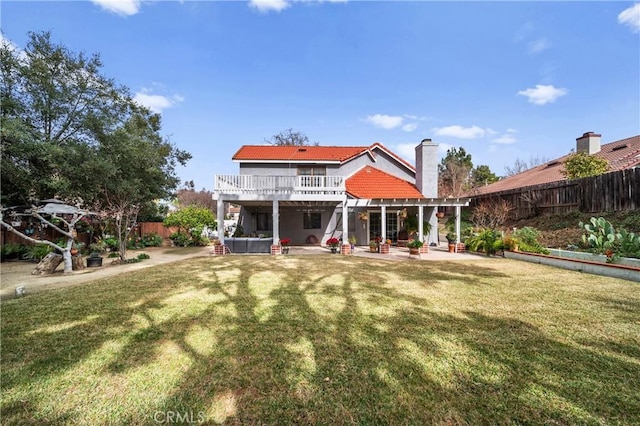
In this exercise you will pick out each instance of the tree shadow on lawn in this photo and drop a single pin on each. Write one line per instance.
(316, 343)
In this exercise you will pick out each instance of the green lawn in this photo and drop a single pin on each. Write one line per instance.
(326, 340)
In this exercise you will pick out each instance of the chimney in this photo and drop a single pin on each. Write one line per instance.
(589, 143)
(427, 168)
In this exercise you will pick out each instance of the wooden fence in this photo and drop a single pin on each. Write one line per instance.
(50, 234)
(615, 191)
(145, 228)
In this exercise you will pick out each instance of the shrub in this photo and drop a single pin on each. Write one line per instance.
(528, 238)
(143, 256)
(134, 243)
(485, 240)
(13, 251)
(111, 243)
(629, 244)
(180, 239)
(37, 252)
(152, 240)
(491, 214)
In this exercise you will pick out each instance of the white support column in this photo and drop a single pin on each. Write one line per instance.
(220, 219)
(421, 223)
(383, 218)
(276, 222)
(433, 220)
(345, 222)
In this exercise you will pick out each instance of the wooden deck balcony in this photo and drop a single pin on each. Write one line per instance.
(258, 184)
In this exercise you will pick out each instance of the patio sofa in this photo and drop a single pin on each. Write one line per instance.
(249, 245)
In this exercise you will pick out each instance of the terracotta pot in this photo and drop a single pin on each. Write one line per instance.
(452, 247)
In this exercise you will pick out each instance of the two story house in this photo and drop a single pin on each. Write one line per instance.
(310, 194)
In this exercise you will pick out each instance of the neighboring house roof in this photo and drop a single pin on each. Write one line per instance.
(622, 154)
(310, 154)
(370, 183)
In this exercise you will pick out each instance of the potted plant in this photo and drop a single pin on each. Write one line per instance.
(75, 248)
(451, 239)
(414, 246)
(363, 216)
(352, 241)
(373, 246)
(284, 243)
(333, 243)
(95, 259)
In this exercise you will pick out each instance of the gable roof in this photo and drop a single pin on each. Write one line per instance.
(310, 154)
(370, 183)
(280, 153)
(622, 154)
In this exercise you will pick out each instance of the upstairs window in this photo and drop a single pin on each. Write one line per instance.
(312, 171)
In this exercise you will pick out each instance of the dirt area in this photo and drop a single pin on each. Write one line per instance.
(14, 274)
(559, 230)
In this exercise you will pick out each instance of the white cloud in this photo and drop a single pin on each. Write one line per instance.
(384, 121)
(410, 127)
(505, 139)
(120, 7)
(22, 55)
(631, 17)
(156, 103)
(406, 151)
(269, 5)
(539, 45)
(460, 132)
(543, 94)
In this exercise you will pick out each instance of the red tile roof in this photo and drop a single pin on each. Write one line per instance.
(370, 183)
(288, 153)
(622, 154)
(298, 153)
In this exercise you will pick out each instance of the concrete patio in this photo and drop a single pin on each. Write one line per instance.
(440, 252)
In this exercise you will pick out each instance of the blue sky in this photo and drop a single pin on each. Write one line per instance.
(504, 80)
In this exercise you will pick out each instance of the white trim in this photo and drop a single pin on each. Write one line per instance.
(408, 202)
(289, 162)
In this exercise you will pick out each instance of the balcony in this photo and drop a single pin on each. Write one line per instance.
(279, 185)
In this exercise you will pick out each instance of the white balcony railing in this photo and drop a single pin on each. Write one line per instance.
(257, 184)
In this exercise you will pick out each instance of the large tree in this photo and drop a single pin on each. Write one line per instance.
(454, 172)
(69, 132)
(137, 166)
(482, 175)
(188, 196)
(581, 164)
(290, 137)
(50, 100)
(520, 166)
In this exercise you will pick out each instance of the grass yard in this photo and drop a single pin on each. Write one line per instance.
(326, 340)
